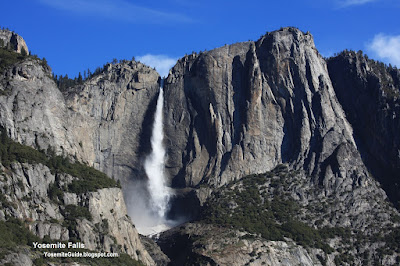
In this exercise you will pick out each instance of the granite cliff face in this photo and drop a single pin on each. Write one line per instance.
(111, 116)
(257, 131)
(247, 108)
(281, 217)
(101, 122)
(13, 41)
(99, 219)
(370, 95)
(199, 244)
(33, 110)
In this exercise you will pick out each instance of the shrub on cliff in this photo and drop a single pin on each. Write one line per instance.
(8, 58)
(87, 178)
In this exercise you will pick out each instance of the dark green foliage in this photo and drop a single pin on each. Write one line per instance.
(13, 232)
(5, 203)
(103, 227)
(55, 193)
(72, 212)
(64, 82)
(11, 151)
(8, 58)
(271, 219)
(343, 258)
(331, 232)
(305, 235)
(88, 178)
(393, 240)
(24, 52)
(43, 62)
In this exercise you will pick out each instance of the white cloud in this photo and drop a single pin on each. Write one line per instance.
(117, 10)
(386, 47)
(346, 3)
(162, 63)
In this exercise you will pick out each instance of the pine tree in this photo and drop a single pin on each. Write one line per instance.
(80, 80)
(23, 52)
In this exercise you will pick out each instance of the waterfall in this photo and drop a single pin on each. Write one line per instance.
(154, 164)
(149, 200)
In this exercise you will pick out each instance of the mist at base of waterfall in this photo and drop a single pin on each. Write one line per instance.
(147, 220)
(148, 199)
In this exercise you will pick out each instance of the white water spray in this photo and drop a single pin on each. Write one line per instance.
(149, 200)
(154, 164)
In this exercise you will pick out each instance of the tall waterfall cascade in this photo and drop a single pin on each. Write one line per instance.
(155, 163)
(149, 198)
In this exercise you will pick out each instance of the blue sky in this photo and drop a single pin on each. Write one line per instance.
(74, 35)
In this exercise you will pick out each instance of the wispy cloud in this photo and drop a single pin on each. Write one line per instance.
(162, 63)
(346, 3)
(116, 10)
(386, 47)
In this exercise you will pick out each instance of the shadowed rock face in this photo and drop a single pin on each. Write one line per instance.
(370, 95)
(247, 107)
(112, 118)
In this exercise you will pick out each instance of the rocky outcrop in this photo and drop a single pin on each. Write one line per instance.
(13, 41)
(154, 251)
(105, 122)
(237, 110)
(111, 118)
(202, 244)
(99, 220)
(280, 218)
(21, 258)
(247, 107)
(102, 123)
(33, 110)
(370, 95)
